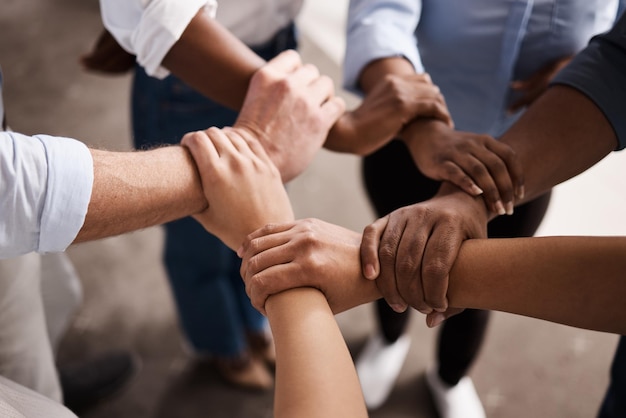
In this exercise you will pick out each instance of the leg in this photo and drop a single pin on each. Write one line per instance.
(614, 404)
(461, 336)
(203, 273)
(199, 266)
(62, 294)
(25, 352)
(384, 174)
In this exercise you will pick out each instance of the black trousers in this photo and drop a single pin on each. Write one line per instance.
(392, 181)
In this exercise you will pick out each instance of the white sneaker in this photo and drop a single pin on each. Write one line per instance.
(378, 367)
(459, 401)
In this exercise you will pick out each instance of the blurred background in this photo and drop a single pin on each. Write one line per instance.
(527, 367)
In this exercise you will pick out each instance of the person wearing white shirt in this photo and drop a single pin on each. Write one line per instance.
(56, 191)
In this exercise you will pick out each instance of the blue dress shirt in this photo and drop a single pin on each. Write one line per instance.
(473, 49)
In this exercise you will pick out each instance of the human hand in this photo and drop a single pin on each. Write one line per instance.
(289, 108)
(535, 85)
(240, 182)
(107, 56)
(385, 110)
(305, 253)
(411, 251)
(476, 163)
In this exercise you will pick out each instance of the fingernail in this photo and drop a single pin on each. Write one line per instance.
(500, 208)
(436, 319)
(398, 307)
(520, 192)
(425, 311)
(240, 252)
(476, 190)
(370, 272)
(509, 208)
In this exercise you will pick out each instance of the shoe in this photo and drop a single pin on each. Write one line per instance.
(458, 401)
(248, 372)
(378, 367)
(262, 346)
(87, 383)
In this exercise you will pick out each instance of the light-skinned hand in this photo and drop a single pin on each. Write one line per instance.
(290, 108)
(305, 253)
(241, 184)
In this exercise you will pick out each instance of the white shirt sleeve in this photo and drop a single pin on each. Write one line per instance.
(149, 28)
(45, 188)
(380, 29)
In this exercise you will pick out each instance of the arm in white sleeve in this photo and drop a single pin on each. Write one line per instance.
(380, 29)
(149, 28)
(45, 188)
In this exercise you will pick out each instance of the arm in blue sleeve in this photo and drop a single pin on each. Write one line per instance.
(599, 72)
(380, 29)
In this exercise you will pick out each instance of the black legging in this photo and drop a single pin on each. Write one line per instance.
(392, 181)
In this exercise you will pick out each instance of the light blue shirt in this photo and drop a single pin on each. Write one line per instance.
(473, 49)
(45, 188)
(599, 72)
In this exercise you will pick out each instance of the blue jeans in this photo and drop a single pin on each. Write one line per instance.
(214, 310)
(614, 404)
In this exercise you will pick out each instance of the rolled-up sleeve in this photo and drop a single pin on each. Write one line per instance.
(45, 188)
(599, 72)
(380, 29)
(149, 28)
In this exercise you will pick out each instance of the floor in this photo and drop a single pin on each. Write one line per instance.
(526, 368)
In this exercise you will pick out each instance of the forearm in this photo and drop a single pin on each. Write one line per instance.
(140, 189)
(315, 376)
(561, 135)
(213, 61)
(577, 281)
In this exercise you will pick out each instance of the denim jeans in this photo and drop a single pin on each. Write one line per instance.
(614, 404)
(214, 310)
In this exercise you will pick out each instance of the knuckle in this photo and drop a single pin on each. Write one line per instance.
(435, 270)
(406, 268)
(386, 253)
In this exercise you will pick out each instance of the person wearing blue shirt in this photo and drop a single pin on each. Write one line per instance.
(490, 59)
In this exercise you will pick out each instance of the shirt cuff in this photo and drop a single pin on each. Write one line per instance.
(370, 42)
(162, 24)
(70, 182)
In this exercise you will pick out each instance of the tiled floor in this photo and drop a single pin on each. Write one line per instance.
(527, 368)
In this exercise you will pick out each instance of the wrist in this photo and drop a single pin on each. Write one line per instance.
(341, 137)
(474, 203)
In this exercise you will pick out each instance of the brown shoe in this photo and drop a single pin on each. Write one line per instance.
(246, 372)
(262, 346)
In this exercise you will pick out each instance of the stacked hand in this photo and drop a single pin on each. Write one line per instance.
(241, 184)
(478, 164)
(290, 108)
(393, 102)
(305, 253)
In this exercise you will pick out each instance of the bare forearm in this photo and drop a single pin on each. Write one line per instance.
(315, 373)
(140, 189)
(578, 281)
(213, 61)
(561, 135)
